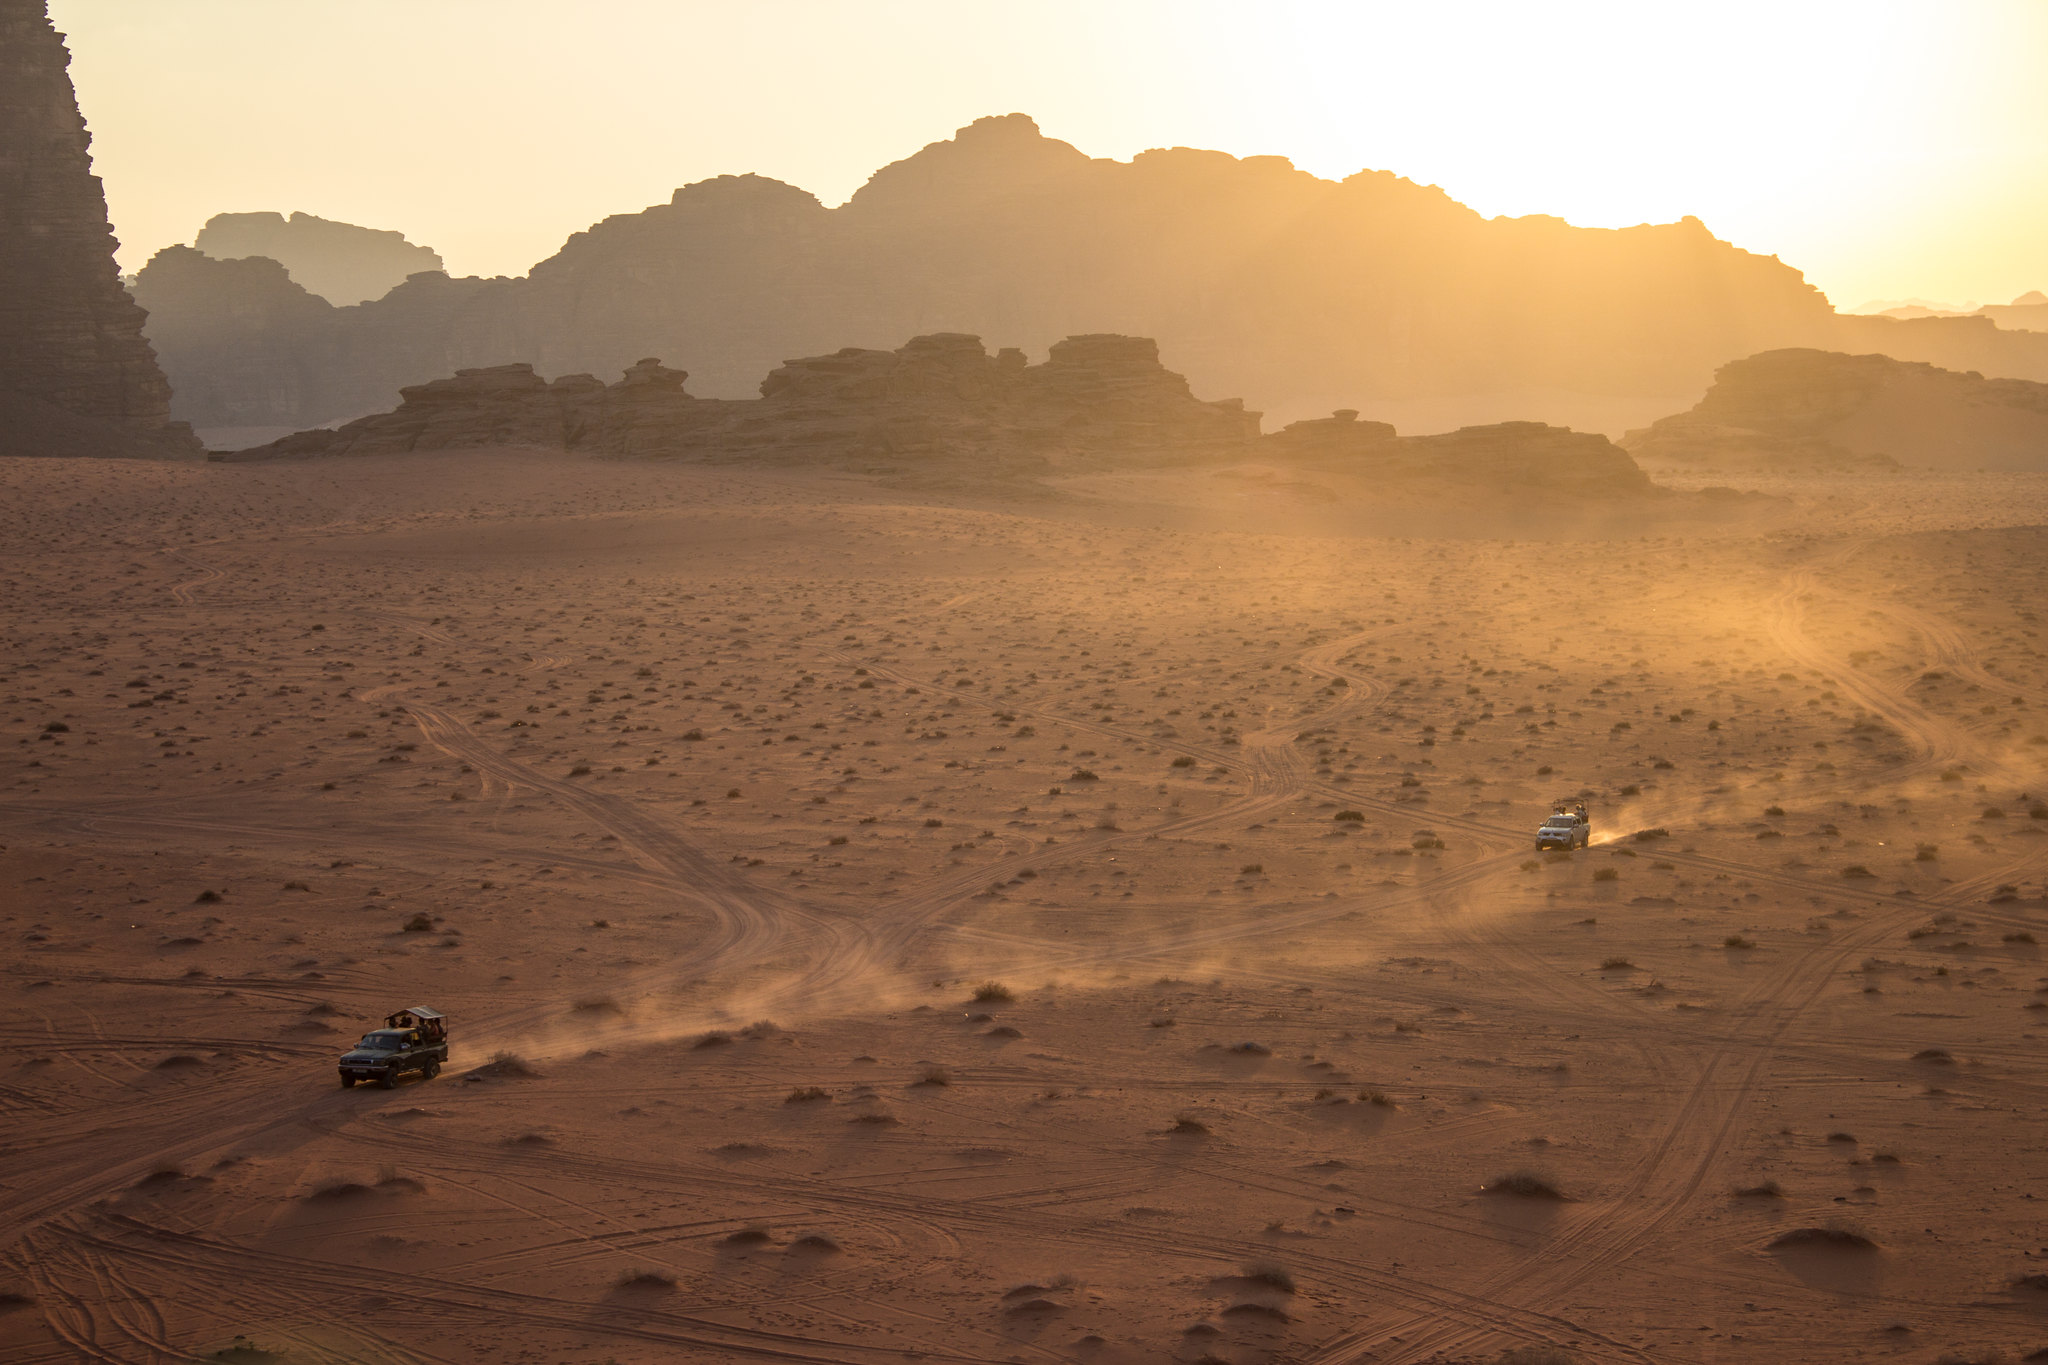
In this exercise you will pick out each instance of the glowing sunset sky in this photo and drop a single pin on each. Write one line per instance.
(1887, 149)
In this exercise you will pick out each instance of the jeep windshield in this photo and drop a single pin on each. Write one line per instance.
(1559, 822)
(379, 1042)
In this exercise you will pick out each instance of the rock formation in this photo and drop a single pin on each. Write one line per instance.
(1506, 456)
(80, 376)
(1805, 410)
(340, 262)
(936, 396)
(2027, 313)
(1259, 278)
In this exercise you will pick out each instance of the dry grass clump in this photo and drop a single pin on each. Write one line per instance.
(1616, 964)
(1187, 1125)
(712, 1039)
(993, 992)
(934, 1076)
(1769, 1189)
(806, 1094)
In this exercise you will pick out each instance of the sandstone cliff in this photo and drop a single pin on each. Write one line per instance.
(1807, 410)
(1257, 277)
(340, 262)
(82, 378)
(1095, 397)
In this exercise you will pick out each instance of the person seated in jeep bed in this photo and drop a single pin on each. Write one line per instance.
(413, 1039)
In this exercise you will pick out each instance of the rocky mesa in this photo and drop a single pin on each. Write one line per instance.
(1805, 411)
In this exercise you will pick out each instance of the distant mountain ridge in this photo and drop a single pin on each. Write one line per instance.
(1302, 294)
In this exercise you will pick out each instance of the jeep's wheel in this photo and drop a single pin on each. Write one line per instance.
(389, 1080)
(433, 1070)
(348, 1082)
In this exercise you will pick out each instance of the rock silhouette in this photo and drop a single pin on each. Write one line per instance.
(340, 262)
(1261, 279)
(1809, 410)
(76, 375)
(942, 394)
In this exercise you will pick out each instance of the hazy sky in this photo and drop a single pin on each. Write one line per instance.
(1886, 148)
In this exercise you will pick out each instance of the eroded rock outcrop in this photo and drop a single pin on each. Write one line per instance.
(340, 262)
(71, 345)
(937, 395)
(1817, 411)
(1502, 457)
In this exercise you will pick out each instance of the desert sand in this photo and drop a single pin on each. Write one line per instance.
(1087, 920)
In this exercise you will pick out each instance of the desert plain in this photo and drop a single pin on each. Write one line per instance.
(1093, 918)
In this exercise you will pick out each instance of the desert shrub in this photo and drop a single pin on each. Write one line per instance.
(1606, 874)
(993, 992)
(419, 924)
(1524, 1185)
(1644, 836)
(1251, 869)
(1836, 1237)
(1737, 941)
(1184, 761)
(806, 1094)
(1356, 817)
(580, 770)
(1616, 964)
(646, 1279)
(1269, 1275)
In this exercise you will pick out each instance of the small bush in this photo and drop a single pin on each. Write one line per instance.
(1189, 1126)
(580, 770)
(1251, 870)
(1184, 761)
(1606, 874)
(1524, 1185)
(1269, 1275)
(646, 1279)
(1356, 817)
(1644, 836)
(207, 898)
(1829, 1238)
(993, 992)
(1737, 941)
(1616, 964)
(808, 1094)
(1769, 1189)
(419, 924)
